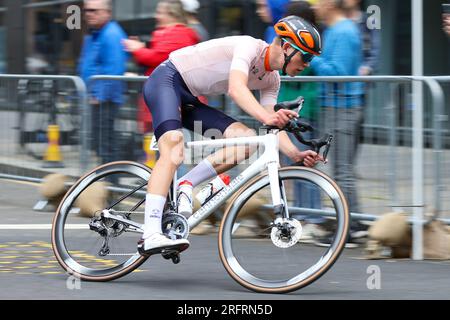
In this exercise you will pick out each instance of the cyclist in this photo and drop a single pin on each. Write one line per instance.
(232, 65)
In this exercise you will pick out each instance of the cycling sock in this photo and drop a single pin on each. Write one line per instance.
(202, 172)
(154, 206)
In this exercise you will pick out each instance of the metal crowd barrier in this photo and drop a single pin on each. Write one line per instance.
(442, 158)
(418, 203)
(37, 111)
(402, 156)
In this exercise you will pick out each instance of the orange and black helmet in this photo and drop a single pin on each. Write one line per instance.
(300, 34)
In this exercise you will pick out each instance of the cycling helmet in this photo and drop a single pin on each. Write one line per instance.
(301, 35)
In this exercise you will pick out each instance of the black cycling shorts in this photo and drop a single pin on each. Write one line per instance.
(173, 106)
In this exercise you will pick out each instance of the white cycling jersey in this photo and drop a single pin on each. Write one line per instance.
(206, 67)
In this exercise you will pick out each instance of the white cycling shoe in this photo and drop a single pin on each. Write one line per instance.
(158, 243)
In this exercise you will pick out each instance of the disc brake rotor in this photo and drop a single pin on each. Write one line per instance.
(286, 233)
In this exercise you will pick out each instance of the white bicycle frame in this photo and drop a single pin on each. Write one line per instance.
(269, 160)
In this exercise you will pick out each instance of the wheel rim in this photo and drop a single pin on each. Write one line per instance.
(234, 263)
(68, 258)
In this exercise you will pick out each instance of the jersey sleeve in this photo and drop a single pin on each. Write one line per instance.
(244, 53)
(269, 95)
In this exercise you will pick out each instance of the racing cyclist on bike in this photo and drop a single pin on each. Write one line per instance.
(234, 66)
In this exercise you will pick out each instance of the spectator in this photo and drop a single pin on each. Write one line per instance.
(446, 23)
(341, 105)
(270, 11)
(191, 8)
(306, 195)
(370, 44)
(171, 34)
(370, 37)
(292, 90)
(103, 54)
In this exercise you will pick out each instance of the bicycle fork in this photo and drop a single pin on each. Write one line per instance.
(277, 189)
(278, 192)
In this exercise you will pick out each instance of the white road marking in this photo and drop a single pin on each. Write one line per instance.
(41, 227)
(28, 183)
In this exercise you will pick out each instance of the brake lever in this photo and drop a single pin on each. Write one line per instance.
(317, 145)
(327, 148)
(296, 105)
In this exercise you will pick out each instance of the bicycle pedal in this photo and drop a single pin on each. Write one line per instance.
(168, 254)
(173, 255)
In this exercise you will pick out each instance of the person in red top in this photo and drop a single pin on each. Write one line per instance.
(172, 33)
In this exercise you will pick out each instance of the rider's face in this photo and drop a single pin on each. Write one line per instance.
(297, 65)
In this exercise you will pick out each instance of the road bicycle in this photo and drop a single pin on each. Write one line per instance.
(272, 259)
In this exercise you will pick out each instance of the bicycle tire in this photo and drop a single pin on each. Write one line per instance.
(245, 278)
(60, 250)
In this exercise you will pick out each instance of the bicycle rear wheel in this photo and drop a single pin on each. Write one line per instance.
(259, 256)
(96, 248)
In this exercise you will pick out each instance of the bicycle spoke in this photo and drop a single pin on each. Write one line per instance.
(108, 246)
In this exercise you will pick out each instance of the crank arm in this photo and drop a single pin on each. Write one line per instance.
(138, 227)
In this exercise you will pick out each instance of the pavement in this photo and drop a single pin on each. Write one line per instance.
(28, 269)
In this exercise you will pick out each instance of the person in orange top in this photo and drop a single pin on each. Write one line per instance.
(171, 34)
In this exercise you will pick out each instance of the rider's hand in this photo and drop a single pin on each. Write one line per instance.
(281, 118)
(309, 158)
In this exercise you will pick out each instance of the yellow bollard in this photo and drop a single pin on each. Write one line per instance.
(150, 154)
(53, 157)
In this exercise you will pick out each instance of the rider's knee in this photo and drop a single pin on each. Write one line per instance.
(171, 147)
(239, 130)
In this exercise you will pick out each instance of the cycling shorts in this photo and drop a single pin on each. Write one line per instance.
(173, 106)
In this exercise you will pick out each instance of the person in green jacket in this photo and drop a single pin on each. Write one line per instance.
(306, 195)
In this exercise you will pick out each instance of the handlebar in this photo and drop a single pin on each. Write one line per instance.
(291, 105)
(298, 126)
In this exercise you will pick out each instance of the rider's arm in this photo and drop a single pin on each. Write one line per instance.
(244, 98)
(308, 157)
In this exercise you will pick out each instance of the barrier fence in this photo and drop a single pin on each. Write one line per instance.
(400, 167)
(39, 113)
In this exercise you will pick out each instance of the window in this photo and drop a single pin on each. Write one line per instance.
(124, 10)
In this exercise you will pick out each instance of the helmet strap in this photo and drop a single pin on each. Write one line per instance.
(287, 59)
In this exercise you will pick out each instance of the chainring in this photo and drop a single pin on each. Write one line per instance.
(175, 226)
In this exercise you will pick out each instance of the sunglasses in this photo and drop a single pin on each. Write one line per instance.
(306, 56)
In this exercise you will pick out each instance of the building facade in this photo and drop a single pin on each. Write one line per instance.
(34, 37)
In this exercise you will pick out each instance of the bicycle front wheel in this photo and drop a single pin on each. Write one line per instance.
(85, 242)
(264, 259)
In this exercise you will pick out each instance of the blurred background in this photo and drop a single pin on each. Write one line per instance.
(31, 29)
(45, 125)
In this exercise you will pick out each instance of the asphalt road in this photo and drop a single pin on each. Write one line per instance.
(28, 269)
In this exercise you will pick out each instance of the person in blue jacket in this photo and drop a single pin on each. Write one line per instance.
(270, 12)
(341, 104)
(103, 54)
